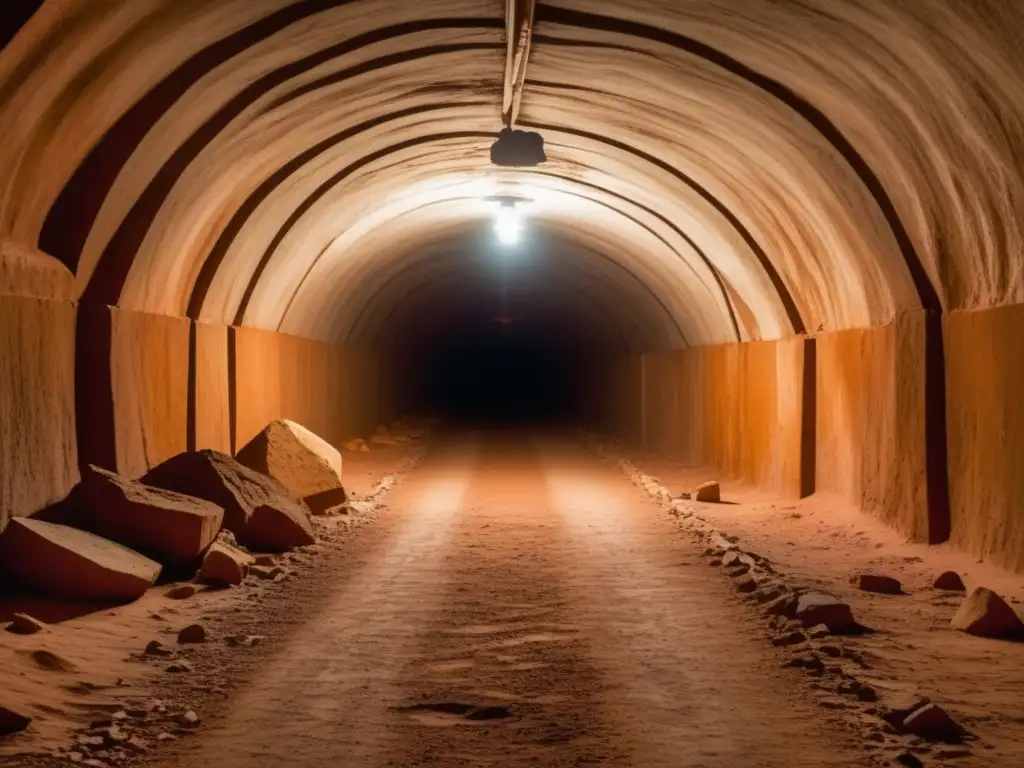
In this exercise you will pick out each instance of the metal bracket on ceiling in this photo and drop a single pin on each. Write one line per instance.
(514, 148)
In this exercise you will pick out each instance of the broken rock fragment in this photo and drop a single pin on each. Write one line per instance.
(322, 503)
(301, 461)
(814, 608)
(259, 511)
(873, 582)
(224, 565)
(23, 624)
(933, 723)
(173, 527)
(986, 614)
(708, 491)
(12, 721)
(61, 561)
(194, 633)
(949, 581)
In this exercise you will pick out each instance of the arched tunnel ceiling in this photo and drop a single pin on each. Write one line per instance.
(718, 169)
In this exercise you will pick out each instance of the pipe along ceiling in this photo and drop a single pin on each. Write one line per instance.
(717, 170)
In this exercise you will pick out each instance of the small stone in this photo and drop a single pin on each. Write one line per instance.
(179, 667)
(136, 744)
(114, 735)
(784, 605)
(181, 592)
(790, 638)
(873, 582)
(953, 753)
(23, 624)
(91, 742)
(709, 492)
(243, 641)
(224, 565)
(908, 759)
(986, 614)
(265, 561)
(12, 721)
(194, 633)
(805, 661)
(165, 736)
(933, 723)
(156, 648)
(262, 572)
(741, 569)
(858, 690)
(897, 707)
(818, 631)
(949, 581)
(813, 608)
(746, 585)
(187, 719)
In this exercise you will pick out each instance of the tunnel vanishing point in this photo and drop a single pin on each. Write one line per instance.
(782, 238)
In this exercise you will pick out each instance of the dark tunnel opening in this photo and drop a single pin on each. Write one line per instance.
(507, 335)
(513, 371)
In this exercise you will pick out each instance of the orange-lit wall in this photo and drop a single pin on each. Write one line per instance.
(985, 418)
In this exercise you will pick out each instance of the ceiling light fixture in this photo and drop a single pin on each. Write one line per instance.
(508, 224)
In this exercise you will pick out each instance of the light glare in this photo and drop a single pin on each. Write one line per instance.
(508, 225)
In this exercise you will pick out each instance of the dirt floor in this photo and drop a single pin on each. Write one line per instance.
(517, 601)
(822, 541)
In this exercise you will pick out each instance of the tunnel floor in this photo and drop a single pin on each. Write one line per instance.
(519, 604)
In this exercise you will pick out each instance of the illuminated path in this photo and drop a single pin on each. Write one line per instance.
(520, 604)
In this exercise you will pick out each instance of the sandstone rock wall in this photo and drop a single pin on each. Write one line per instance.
(38, 454)
(985, 407)
(329, 389)
(738, 407)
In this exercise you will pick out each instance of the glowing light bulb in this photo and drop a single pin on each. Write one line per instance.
(508, 225)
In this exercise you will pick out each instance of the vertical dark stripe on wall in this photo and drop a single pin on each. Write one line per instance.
(14, 15)
(94, 389)
(193, 372)
(936, 454)
(233, 387)
(809, 419)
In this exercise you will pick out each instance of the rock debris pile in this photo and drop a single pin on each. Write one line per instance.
(224, 521)
(814, 631)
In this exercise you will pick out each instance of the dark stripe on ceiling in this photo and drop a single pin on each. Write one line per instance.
(926, 291)
(73, 214)
(15, 15)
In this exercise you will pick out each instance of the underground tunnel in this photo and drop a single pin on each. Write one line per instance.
(379, 380)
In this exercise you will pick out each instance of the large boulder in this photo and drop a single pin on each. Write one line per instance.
(296, 458)
(986, 614)
(261, 513)
(171, 527)
(65, 562)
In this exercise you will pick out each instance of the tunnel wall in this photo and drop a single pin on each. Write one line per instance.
(737, 407)
(38, 454)
(734, 408)
(985, 417)
(118, 390)
(871, 435)
(336, 391)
